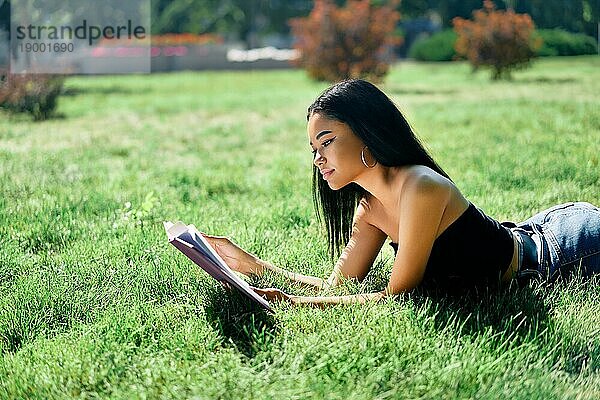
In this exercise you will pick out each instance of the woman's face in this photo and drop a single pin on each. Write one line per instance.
(336, 150)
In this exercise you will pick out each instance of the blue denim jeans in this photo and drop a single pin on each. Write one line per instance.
(567, 238)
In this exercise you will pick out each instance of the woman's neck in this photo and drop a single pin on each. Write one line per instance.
(385, 183)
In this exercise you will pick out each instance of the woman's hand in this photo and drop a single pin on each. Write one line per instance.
(273, 294)
(234, 256)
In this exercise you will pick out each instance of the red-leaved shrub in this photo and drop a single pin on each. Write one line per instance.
(502, 40)
(33, 94)
(354, 41)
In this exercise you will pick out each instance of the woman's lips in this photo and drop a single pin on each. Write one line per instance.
(327, 173)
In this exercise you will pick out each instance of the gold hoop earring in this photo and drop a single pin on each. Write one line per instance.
(362, 157)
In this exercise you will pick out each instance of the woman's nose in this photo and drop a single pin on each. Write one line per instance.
(318, 158)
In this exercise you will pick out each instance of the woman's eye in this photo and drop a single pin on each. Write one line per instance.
(325, 144)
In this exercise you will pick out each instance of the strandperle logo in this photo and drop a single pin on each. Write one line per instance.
(84, 31)
(80, 37)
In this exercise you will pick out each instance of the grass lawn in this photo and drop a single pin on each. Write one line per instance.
(95, 303)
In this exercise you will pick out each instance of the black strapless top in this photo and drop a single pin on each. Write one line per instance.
(475, 250)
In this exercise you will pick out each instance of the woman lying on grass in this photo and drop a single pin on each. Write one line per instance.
(373, 180)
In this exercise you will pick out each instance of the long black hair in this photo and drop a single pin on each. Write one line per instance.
(376, 120)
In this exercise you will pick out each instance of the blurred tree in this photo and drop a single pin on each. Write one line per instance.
(572, 15)
(4, 15)
(449, 9)
(193, 16)
(244, 19)
(353, 41)
(239, 19)
(502, 40)
(415, 8)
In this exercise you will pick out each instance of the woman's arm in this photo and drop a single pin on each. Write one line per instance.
(248, 264)
(356, 259)
(422, 208)
(362, 249)
(274, 294)
(293, 276)
(361, 298)
(354, 263)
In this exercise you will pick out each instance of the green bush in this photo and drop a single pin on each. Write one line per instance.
(437, 47)
(558, 42)
(33, 94)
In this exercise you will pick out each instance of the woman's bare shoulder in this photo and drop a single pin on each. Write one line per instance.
(420, 185)
(424, 174)
(421, 180)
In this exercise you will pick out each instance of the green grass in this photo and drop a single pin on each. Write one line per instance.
(95, 303)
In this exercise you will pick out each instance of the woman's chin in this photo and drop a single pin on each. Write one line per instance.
(334, 186)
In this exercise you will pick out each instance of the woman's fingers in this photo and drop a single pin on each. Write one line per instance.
(219, 238)
(264, 293)
(272, 293)
(216, 239)
(257, 290)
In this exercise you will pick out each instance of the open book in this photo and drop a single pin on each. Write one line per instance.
(191, 243)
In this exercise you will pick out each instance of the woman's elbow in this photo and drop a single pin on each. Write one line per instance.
(394, 288)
